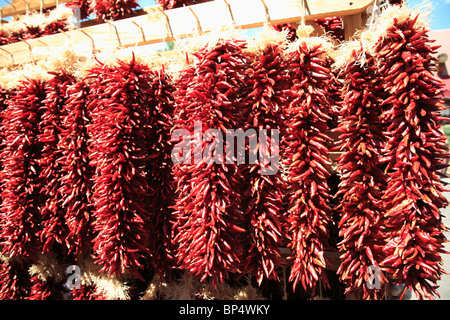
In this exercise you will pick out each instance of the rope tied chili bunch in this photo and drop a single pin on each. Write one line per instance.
(21, 201)
(76, 182)
(54, 229)
(305, 153)
(118, 152)
(415, 151)
(262, 196)
(207, 220)
(159, 170)
(362, 179)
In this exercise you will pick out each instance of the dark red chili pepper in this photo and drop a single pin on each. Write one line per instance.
(362, 179)
(262, 196)
(208, 223)
(307, 189)
(415, 150)
(118, 151)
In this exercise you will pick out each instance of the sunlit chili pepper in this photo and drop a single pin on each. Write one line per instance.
(415, 151)
(208, 222)
(118, 151)
(306, 158)
(362, 179)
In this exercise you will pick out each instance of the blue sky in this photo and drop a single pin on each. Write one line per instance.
(440, 17)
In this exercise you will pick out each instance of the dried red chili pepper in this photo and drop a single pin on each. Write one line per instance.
(54, 229)
(118, 150)
(306, 157)
(207, 218)
(113, 9)
(415, 151)
(159, 169)
(75, 183)
(334, 26)
(262, 196)
(362, 179)
(21, 201)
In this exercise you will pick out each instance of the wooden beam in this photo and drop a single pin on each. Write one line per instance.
(21, 7)
(213, 15)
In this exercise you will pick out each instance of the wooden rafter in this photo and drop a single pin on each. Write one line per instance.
(158, 26)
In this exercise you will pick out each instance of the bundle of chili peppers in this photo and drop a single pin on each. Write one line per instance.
(118, 151)
(305, 148)
(75, 188)
(54, 229)
(112, 9)
(262, 196)
(415, 151)
(20, 191)
(362, 178)
(159, 170)
(208, 223)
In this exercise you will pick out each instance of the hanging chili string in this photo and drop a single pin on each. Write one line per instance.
(415, 151)
(362, 179)
(118, 150)
(208, 222)
(306, 157)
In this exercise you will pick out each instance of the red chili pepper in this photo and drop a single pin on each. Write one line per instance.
(414, 152)
(304, 134)
(205, 221)
(362, 180)
(118, 151)
(262, 195)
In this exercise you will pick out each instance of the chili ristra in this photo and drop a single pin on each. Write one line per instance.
(415, 151)
(305, 152)
(118, 151)
(208, 223)
(262, 194)
(75, 188)
(362, 179)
